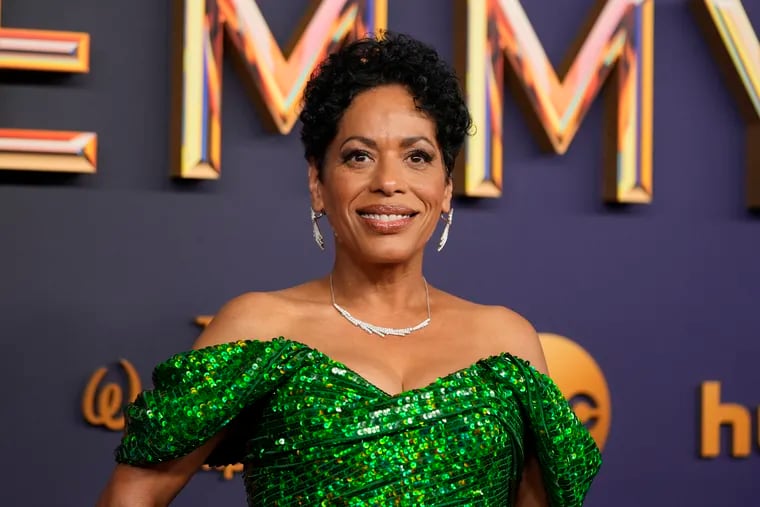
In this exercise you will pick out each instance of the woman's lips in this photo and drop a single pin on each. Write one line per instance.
(387, 223)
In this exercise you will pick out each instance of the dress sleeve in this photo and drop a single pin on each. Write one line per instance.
(567, 454)
(198, 393)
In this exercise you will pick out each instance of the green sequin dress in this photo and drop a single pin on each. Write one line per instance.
(312, 432)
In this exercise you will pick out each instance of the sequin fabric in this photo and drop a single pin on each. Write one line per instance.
(313, 432)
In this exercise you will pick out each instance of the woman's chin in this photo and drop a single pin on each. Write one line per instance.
(389, 253)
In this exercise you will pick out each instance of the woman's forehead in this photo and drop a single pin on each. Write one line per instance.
(387, 112)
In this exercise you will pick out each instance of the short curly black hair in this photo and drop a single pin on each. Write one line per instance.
(373, 61)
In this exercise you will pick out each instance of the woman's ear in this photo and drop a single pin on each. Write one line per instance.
(315, 188)
(447, 195)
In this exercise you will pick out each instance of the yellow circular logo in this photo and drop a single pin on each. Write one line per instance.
(581, 381)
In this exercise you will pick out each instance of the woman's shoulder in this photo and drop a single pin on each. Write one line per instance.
(502, 329)
(259, 315)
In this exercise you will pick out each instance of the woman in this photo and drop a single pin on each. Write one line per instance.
(380, 389)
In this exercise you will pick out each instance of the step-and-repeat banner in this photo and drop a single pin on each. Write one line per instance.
(150, 170)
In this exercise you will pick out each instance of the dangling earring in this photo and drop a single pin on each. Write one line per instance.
(316, 215)
(445, 234)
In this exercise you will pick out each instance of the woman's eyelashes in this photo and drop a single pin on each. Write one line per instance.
(362, 158)
(419, 157)
(355, 158)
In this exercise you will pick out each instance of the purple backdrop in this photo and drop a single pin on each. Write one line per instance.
(96, 268)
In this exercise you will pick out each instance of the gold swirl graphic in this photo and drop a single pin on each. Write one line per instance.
(104, 407)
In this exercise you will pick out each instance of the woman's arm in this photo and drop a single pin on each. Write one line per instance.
(154, 486)
(519, 337)
(531, 491)
(157, 485)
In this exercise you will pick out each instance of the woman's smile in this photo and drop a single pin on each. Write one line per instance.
(386, 218)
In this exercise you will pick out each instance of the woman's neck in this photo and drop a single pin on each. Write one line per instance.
(380, 287)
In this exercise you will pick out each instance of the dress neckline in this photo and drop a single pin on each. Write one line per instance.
(503, 356)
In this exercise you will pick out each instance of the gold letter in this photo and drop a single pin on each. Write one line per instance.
(737, 49)
(715, 414)
(621, 38)
(228, 471)
(277, 79)
(102, 408)
(46, 150)
(203, 320)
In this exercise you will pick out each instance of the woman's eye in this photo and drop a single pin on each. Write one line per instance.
(420, 157)
(356, 157)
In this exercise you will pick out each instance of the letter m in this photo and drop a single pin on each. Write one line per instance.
(736, 45)
(618, 37)
(276, 79)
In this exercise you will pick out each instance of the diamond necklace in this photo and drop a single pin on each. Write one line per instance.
(379, 330)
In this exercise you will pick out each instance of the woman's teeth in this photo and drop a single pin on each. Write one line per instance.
(386, 218)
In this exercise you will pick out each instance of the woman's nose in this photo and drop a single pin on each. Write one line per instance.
(388, 177)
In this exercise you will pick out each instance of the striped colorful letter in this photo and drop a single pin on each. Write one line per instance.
(46, 150)
(620, 37)
(276, 79)
(738, 50)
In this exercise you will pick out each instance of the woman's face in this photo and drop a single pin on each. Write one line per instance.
(383, 185)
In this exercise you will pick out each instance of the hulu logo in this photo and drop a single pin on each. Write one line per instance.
(715, 414)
